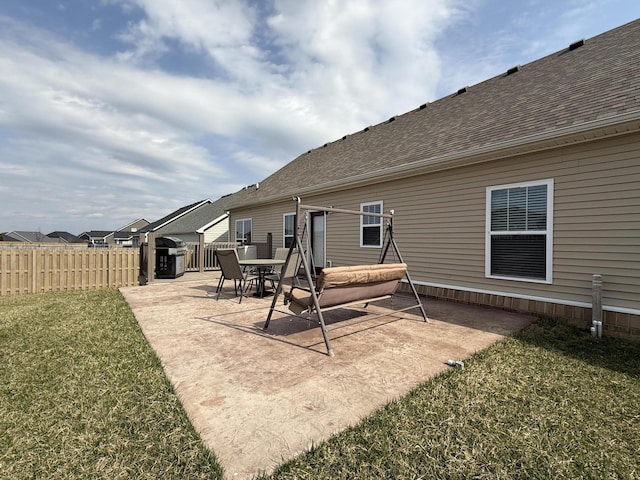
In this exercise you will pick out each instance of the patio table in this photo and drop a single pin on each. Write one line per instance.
(263, 266)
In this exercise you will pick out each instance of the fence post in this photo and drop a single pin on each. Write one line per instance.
(151, 256)
(143, 260)
(201, 253)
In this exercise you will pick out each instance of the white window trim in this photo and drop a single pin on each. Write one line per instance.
(548, 232)
(236, 227)
(323, 262)
(284, 238)
(362, 205)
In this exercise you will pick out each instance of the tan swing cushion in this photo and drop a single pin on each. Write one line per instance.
(342, 285)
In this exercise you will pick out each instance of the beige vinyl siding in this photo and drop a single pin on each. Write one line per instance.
(593, 233)
(218, 233)
(264, 220)
(440, 222)
(598, 214)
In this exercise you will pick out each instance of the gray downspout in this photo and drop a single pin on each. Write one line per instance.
(596, 306)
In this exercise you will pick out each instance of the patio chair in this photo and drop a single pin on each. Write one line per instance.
(291, 271)
(274, 274)
(231, 270)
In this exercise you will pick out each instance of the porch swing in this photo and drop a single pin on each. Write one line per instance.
(340, 287)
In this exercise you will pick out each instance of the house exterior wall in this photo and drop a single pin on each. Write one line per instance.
(264, 219)
(440, 227)
(217, 233)
(137, 225)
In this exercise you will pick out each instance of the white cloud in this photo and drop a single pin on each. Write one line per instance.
(219, 28)
(324, 68)
(256, 162)
(374, 58)
(201, 97)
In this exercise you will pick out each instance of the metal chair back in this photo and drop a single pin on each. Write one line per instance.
(292, 267)
(230, 264)
(281, 254)
(231, 270)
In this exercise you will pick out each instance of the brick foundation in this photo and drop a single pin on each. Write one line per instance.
(618, 325)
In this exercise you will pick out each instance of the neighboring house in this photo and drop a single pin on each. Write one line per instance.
(28, 237)
(128, 236)
(97, 237)
(217, 230)
(513, 192)
(201, 222)
(65, 237)
(189, 222)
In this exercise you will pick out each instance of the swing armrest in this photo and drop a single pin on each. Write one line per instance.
(296, 287)
(296, 294)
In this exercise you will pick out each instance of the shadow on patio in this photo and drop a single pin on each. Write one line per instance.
(259, 397)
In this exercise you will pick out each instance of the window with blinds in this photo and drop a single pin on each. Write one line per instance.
(519, 236)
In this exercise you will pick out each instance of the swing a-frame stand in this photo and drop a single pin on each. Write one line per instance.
(340, 287)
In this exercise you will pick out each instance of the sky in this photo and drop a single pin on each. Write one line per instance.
(115, 110)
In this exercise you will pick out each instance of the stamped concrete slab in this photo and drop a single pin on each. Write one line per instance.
(260, 397)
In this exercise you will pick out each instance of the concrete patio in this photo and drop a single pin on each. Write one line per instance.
(258, 397)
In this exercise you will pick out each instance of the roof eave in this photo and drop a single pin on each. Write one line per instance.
(130, 223)
(173, 219)
(571, 135)
(204, 228)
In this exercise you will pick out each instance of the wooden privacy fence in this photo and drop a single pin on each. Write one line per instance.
(38, 270)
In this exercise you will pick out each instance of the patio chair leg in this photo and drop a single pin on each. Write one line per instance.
(247, 286)
(244, 286)
(219, 289)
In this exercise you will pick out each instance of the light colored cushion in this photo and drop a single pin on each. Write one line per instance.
(360, 274)
(341, 285)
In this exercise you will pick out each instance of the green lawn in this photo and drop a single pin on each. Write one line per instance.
(552, 402)
(82, 395)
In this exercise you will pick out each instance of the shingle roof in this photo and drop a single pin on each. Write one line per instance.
(569, 89)
(211, 212)
(127, 232)
(26, 236)
(172, 216)
(137, 224)
(123, 235)
(66, 236)
(97, 233)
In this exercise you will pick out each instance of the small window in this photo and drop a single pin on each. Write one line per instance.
(243, 231)
(370, 226)
(288, 223)
(520, 231)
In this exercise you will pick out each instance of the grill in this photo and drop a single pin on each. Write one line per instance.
(170, 257)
